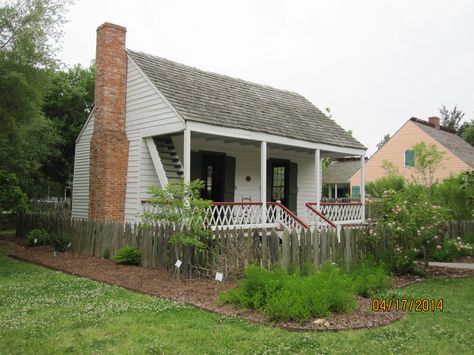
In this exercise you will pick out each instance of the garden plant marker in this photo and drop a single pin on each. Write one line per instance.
(178, 263)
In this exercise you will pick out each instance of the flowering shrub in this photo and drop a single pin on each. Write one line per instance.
(413, 223)
(452, 249)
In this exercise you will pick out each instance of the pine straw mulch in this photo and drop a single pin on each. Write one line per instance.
(201, 293)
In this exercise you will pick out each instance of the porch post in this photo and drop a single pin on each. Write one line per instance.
(329, 191)
(335, 191)
(263, 181)
(187, 155)
(317, 164)
(362, 185)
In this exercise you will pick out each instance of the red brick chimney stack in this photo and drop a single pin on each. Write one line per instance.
(434, 121)
(109, 144)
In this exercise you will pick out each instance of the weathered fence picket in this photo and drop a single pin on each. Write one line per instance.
(226, 250)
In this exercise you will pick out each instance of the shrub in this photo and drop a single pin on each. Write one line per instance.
(60, 241)
(453, 249)
(128, 255)
(282, 296)
(40, 236)
(370, 278)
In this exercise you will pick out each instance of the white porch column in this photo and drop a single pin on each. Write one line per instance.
(329, 191)
(335, 191)
(187, 155)
(362, 185)
(263, 181)
(317, 165)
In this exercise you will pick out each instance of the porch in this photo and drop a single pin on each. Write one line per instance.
(254, 179)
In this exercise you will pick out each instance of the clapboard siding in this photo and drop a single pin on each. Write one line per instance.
(248, 164)
(145, 109)
(80, 190)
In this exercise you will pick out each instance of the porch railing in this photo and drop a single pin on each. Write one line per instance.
(246, 215)
(340, 212)
(316, 218)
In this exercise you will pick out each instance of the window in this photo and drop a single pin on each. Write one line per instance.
(409, 158)
(278, 183)
(355, 192)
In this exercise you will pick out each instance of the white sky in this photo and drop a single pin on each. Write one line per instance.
(374, 63)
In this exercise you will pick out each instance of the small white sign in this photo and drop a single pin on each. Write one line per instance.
(55, 253)
(68, 246)
(36, 241)
(219, 276)
(178, 263)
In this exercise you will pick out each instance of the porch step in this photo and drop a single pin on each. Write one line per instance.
(169, 157)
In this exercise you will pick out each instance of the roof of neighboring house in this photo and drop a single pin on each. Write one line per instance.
(216, 99)
(450, 140)
(339, 171)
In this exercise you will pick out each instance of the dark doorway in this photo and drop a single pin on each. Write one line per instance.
(213, 175)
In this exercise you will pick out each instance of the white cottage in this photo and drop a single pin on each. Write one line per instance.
(258, 149)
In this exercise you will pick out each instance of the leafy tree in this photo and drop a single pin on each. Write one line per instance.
(67, 104)
(427, 160)
(377, 187)
(12, 199)
(468, 132)
(384, 140)
(451, 119)
(30, 31)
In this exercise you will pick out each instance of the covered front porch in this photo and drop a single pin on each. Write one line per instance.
(254, 179)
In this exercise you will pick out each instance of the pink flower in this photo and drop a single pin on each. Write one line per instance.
(439, 247)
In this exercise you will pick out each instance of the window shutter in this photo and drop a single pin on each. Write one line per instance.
(196, 163)
(269, 180)
(409, 158)
(229, 180)
(293, 187)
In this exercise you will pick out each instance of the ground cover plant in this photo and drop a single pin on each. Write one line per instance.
(284, 296)
(43, 311)
(128, 255)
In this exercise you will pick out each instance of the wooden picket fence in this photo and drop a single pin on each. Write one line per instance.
(227, 251)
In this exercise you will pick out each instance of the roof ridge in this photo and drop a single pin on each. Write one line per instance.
(214, 73)
(426, 123)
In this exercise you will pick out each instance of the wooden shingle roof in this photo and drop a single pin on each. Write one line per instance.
(216, 99)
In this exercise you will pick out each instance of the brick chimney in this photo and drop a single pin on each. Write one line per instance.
(109, 144)
(434, 121)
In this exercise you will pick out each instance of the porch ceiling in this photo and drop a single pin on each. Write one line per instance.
(256, 144)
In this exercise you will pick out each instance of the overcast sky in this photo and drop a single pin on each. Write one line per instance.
(374, 63)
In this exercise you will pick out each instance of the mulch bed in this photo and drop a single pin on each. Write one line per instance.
(201, 293)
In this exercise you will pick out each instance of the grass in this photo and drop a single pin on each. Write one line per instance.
(43, 311)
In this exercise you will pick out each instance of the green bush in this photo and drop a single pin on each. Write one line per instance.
(128, 255)
(283, 296)
(60, 241)
(453, 249)
(40, 236)
(369, 279)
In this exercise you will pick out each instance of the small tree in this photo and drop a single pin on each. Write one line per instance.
(181, 204)
(427, 160)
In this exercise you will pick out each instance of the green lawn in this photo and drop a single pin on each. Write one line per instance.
(42, 311)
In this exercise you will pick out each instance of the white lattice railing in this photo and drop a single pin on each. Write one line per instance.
(340, 212)
(316, 218)
(245, 215)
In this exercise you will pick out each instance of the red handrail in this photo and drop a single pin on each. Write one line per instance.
(335, 203)
(308, 204)
(292, 215)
